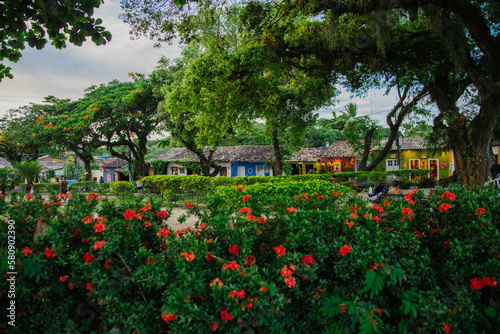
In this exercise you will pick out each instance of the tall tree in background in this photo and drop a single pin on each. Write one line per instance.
(461, 46)
(20, 138)
(35, 22)
(67, 125)
(123, 114)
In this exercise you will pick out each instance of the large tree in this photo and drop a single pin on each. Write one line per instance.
(35, 22)
(461, 48)
(124, 114)
(67, 125)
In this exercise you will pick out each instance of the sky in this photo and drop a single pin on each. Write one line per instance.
(67, 73)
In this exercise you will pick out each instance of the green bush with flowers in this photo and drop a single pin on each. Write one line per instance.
(310, 262)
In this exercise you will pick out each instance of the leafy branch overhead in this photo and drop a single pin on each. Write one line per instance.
(34, 23)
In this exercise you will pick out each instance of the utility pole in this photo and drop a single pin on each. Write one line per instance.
(76, 168)
(130, 168)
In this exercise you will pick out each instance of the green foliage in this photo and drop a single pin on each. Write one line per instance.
(28, 169)
(36, 22)
(282, 267)
(46, 187)
(90, 186)
(122, 188)
(6, 174)
(160, 166)
(426, 182)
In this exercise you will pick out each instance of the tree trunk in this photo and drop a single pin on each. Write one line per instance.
(393, 126)
(469, 140)
(278, 168)
(367, 147)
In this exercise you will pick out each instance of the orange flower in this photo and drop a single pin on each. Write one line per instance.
(168, 317)
(348, 223)
(216, 281)
(280, 250)
(245, 210)
(188, 256)
(99, 244)
(163, 232)
(34, 134)
(26, 251)
(291, 209)
(245, 198)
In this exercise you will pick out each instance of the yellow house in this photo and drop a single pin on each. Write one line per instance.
(306, 161)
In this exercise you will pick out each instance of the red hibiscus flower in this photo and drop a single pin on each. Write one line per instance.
(129, 214)
(291, 209)
(304, 196)
(88, 286)
(146, 207)
(188, 205)
(480, 211)
(234, 249)
(250, 259)
(444, 207)
(99, 228)
(99, 244)
(345, 249)
(26, 251)
(214, 326)
(163, 232)
(162, 214)
(29, 196)
(240, 188)
(245, 210)
(87, 220)
(307, 259)
(63, 278)
(216, 281)
(147, 223)
(446, 329)
(349, 223)
(280, 250)
(189, 256)
(224, 314)
(376, 219)
(87, 258)
(245, 198)
(49, 253)
(409, 198)
(233, 265)
(168, 317)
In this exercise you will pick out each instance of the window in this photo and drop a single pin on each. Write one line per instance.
(182, 170)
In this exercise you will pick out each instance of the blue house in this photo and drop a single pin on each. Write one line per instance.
(111, 170)
(247, 160)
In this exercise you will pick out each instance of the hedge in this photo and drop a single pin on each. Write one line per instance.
(312, 262)
(175, 185)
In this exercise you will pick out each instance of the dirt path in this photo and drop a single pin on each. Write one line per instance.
(174, 215)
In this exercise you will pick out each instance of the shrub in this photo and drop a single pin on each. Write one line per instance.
(426, 182)
(310, 262)
(122, 188)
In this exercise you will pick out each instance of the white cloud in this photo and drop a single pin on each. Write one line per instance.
(66, 73)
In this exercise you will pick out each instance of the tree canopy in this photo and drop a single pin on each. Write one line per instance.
(36, 22)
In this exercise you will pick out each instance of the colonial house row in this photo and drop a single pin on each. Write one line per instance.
(244, 160)
(335, 158)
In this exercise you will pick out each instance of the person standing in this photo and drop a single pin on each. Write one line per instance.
(101, 181)
(64, 186)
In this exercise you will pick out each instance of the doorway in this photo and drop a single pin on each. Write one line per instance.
(433, 169)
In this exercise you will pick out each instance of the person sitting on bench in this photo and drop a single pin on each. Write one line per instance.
(395, 190)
